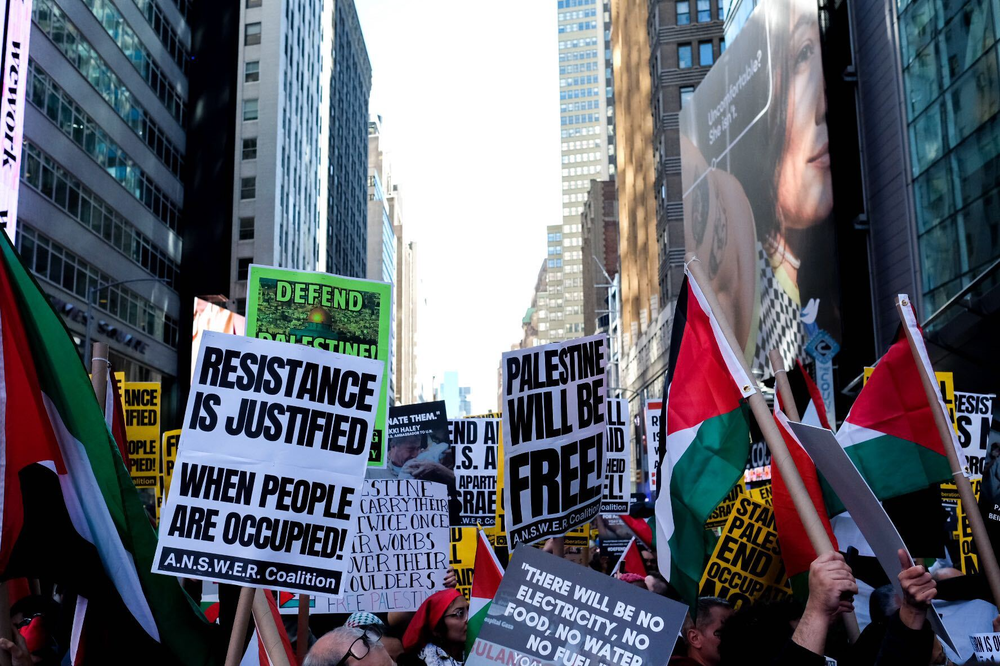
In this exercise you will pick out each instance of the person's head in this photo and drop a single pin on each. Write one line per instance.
(442, 619)
(404, 449)
(349, 646)
(882, 603)
(703, 633)
(803, 187)
(762, 623)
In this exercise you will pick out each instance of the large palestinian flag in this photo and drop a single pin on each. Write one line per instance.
(68, 510)
(706, 435)
(890, 433)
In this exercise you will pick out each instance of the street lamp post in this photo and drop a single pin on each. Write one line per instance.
(91, 293)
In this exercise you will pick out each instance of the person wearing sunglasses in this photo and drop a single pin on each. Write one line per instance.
(436, 634)
(350, 646)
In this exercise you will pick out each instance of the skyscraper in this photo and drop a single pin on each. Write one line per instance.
(101, 183)
(277, 165)
(350, 86)
(407, 301)
(381, 253)
(586, 112)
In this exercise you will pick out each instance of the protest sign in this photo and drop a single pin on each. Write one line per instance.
(418, 444)
(276, 440)
(14, 80)
(475, 443)
(617, 468)
(168, 456)
(613, 536)
(973, 413)
(344, 315)
(720, 515)
(463, 557)
(845, 479)
(746, 564)
(497, 534)
(554, 429)
(986, 647)
(141, 404)
(548, 610)
(654, 408)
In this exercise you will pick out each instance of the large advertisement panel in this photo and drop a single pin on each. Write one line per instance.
(13, 76)
(758, 196)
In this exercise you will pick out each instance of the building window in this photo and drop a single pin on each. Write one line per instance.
(722, 46)
(251, 34)
(687, 92)
(252, 72)
(246, 228)
(250, 149)
(684, 56)
(243, 268)
(249, 109)
(248, 187)
(253, 3)
(683, 12)
(722, 10)
(705, 54)
(704, 11)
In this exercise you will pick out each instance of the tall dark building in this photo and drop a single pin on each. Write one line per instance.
(350, 86)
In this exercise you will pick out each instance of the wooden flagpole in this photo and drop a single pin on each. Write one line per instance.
(267, 628)
(782, 387)
(234, 655)
(302, 632)
(987, 558)
(780, 457)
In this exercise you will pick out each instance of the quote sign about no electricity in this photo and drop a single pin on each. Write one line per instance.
(548, 610)
(267, 484)
(554, 431)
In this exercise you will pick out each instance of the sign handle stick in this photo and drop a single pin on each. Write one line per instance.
(243, 607)
(6, 628)
(783, 387)
(302, 632)
(987, 558)
(99, 373)
(780, 457)
(267, 629)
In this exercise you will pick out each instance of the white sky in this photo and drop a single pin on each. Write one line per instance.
(468, 92)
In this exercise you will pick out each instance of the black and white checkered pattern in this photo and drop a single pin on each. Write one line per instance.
(780, 323)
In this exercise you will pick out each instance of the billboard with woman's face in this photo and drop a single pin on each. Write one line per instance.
(758, 201)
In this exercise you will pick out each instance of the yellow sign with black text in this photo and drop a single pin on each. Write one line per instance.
(463, 557)
(142, 429)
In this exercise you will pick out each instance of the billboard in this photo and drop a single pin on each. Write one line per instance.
(13, 76)
(758, 200)
(211, 317)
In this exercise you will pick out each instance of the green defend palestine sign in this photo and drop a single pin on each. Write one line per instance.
(339, 314)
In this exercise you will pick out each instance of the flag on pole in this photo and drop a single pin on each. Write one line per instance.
(631, 560)
(808, 399)
(256, 654)
(796, 549)
(891, 426)
(68, 510)
(486, 576)
(706, 435)
(642, 529)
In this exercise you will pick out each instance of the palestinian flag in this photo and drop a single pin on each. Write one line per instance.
(808, 400)
(68, 510)
(642, 529)
(796, 549)
(890, 433)
(631, 561)
(486, 577)
(706, 435)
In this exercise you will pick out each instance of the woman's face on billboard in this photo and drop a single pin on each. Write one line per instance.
(805, 195)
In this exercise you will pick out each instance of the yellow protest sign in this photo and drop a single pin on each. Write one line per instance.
(968, 561)
(720, 515)
(168, 456)
(761, 493)
(142, 428)
(463, 557)
(746, 565)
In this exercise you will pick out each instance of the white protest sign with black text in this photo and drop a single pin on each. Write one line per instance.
(973, 413)
(474, 442)
(616, 482)
(986, 647)
(548, 610)
(267, 484)
(554, 429)
(399, 555)
(654, 409)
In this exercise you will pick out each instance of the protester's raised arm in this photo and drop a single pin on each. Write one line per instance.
(831, 592)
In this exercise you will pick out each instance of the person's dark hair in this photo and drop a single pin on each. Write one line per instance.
(882, 604)
(703, 611)
(762, 624)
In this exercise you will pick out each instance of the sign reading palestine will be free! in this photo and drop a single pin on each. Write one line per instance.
(339, 314)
